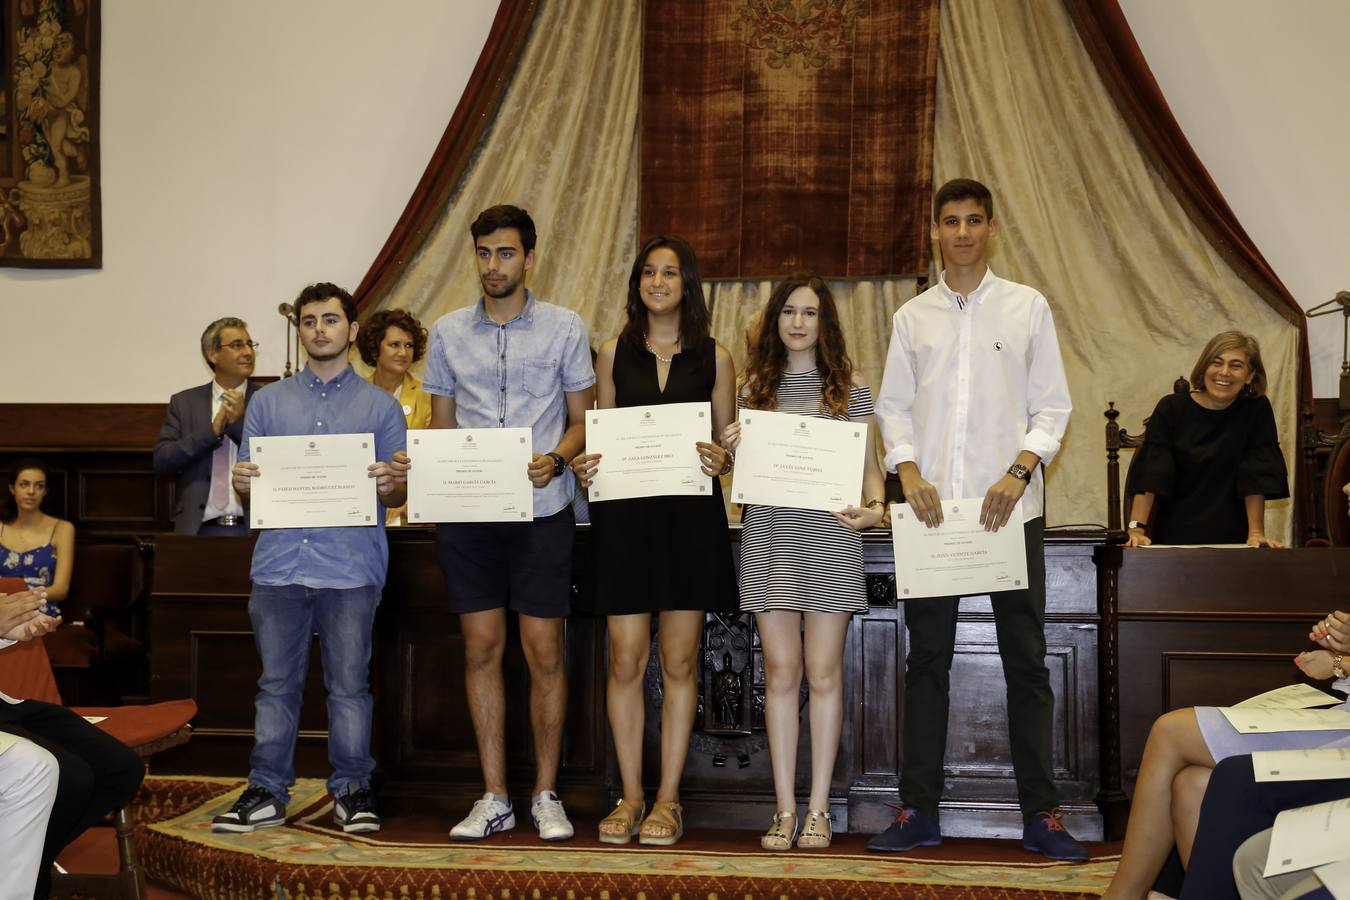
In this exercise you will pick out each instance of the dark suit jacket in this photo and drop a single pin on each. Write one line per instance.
(184, 448)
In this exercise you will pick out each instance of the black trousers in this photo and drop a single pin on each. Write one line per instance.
(98, 773)
(1019, 619)
(1237, 806)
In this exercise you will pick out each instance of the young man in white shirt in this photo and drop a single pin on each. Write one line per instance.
(973, 403)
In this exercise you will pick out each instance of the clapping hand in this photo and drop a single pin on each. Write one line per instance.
(21, 617)
(1333, 632)
(1315, 663)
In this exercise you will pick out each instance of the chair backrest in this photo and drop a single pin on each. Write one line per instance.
(105, 577)
(1117, 439)
(26, 673)
(1333, 501)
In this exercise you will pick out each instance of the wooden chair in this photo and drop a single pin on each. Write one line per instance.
(98, 654)
(1333, 501)
(26, 674)
(1117, 439)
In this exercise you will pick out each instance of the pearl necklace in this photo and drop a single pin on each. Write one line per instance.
(665, 359)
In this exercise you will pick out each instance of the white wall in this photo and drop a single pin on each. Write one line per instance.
(249, 147)
(1260, 89)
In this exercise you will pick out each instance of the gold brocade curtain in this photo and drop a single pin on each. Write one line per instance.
(1135, 288)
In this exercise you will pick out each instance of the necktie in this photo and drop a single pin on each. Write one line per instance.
(220, 476)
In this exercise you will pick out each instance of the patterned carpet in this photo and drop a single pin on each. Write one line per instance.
(308, 859)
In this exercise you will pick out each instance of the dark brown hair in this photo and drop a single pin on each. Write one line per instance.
(326, 290)
(371, 335)
(694, 318)
(768, 355)
(962, 189)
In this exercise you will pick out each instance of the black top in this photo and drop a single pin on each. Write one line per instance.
(1202, 463)
(662, 553)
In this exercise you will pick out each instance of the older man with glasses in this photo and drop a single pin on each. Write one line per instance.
(200, 439)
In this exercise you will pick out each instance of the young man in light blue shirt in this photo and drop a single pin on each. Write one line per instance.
(513, 361)
(325, 580)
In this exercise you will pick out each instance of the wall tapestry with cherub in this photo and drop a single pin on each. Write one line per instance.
(49, 161)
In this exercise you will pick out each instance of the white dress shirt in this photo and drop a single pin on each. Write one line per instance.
(234, 506)
(970, 382)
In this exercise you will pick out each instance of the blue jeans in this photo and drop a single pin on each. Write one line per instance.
(284, 617)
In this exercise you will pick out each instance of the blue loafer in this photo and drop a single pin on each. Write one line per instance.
(909, 830)
(1046, 834)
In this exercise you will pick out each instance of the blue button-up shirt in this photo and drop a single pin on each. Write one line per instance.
(347, 557)
(513, 375)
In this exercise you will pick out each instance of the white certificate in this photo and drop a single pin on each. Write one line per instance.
(1301, 765)
(958, 558)
(648, 451)
(470, 475)
(1336, 878)
(313, 481)
(1263, 721)
(1309, 836)
(1294, 696)
(799, 461)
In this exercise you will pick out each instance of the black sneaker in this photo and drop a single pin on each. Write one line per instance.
(355, 812)
(256, 808)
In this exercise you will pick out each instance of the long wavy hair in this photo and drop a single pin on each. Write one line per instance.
(694, 318)
(768, 354)
(9, 506)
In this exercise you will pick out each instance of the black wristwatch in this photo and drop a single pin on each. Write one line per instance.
(559, 464)
(1017, 470)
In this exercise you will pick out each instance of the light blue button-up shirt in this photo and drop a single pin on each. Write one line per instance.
(348, 557)
(513, 375)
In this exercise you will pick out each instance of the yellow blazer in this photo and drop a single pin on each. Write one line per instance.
(416, 402)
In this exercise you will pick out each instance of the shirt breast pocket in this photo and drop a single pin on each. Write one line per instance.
(541, 377)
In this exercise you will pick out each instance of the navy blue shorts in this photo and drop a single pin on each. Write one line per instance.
(522, 566)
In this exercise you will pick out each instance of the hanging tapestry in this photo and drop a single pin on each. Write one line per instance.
(49, 173)
(783, 135)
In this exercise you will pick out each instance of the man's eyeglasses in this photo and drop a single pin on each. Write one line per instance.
(238, 346)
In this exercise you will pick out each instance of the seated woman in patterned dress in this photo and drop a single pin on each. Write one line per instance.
(799, 563)
(34, 546)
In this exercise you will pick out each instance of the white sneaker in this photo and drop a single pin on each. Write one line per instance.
(487, 817)
(549, 818)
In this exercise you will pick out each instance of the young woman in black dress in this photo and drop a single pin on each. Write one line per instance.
(668, 557)
(1211, 457)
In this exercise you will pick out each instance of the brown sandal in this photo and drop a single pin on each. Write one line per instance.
(666, 816)
(781, 833)
(619, 826)
(816, 832)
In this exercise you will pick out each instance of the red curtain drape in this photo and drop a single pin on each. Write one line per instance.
(1110, 42)
(476, 110)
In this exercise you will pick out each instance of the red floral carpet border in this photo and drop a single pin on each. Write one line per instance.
(308, 859)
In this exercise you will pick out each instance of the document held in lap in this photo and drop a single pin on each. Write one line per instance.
(1293, 696)
(648, 451)
(958, 558)
(1301, 765)
(1309, 836)
(1336, 878)
(313, 481)
(799, 461)
(470, 475)
(1263, 721)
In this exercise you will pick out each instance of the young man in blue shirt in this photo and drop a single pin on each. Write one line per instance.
(513, 361)
(318, 579)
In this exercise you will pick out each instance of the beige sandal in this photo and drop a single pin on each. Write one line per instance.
(816, 832)
(619, 826)
(666, 816)
(781, 832)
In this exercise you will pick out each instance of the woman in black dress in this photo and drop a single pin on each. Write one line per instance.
(1211, 458)
(663, 556)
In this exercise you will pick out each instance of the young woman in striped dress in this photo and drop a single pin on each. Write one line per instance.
(804, 564)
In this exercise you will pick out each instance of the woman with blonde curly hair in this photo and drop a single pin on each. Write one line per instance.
(804, 564)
